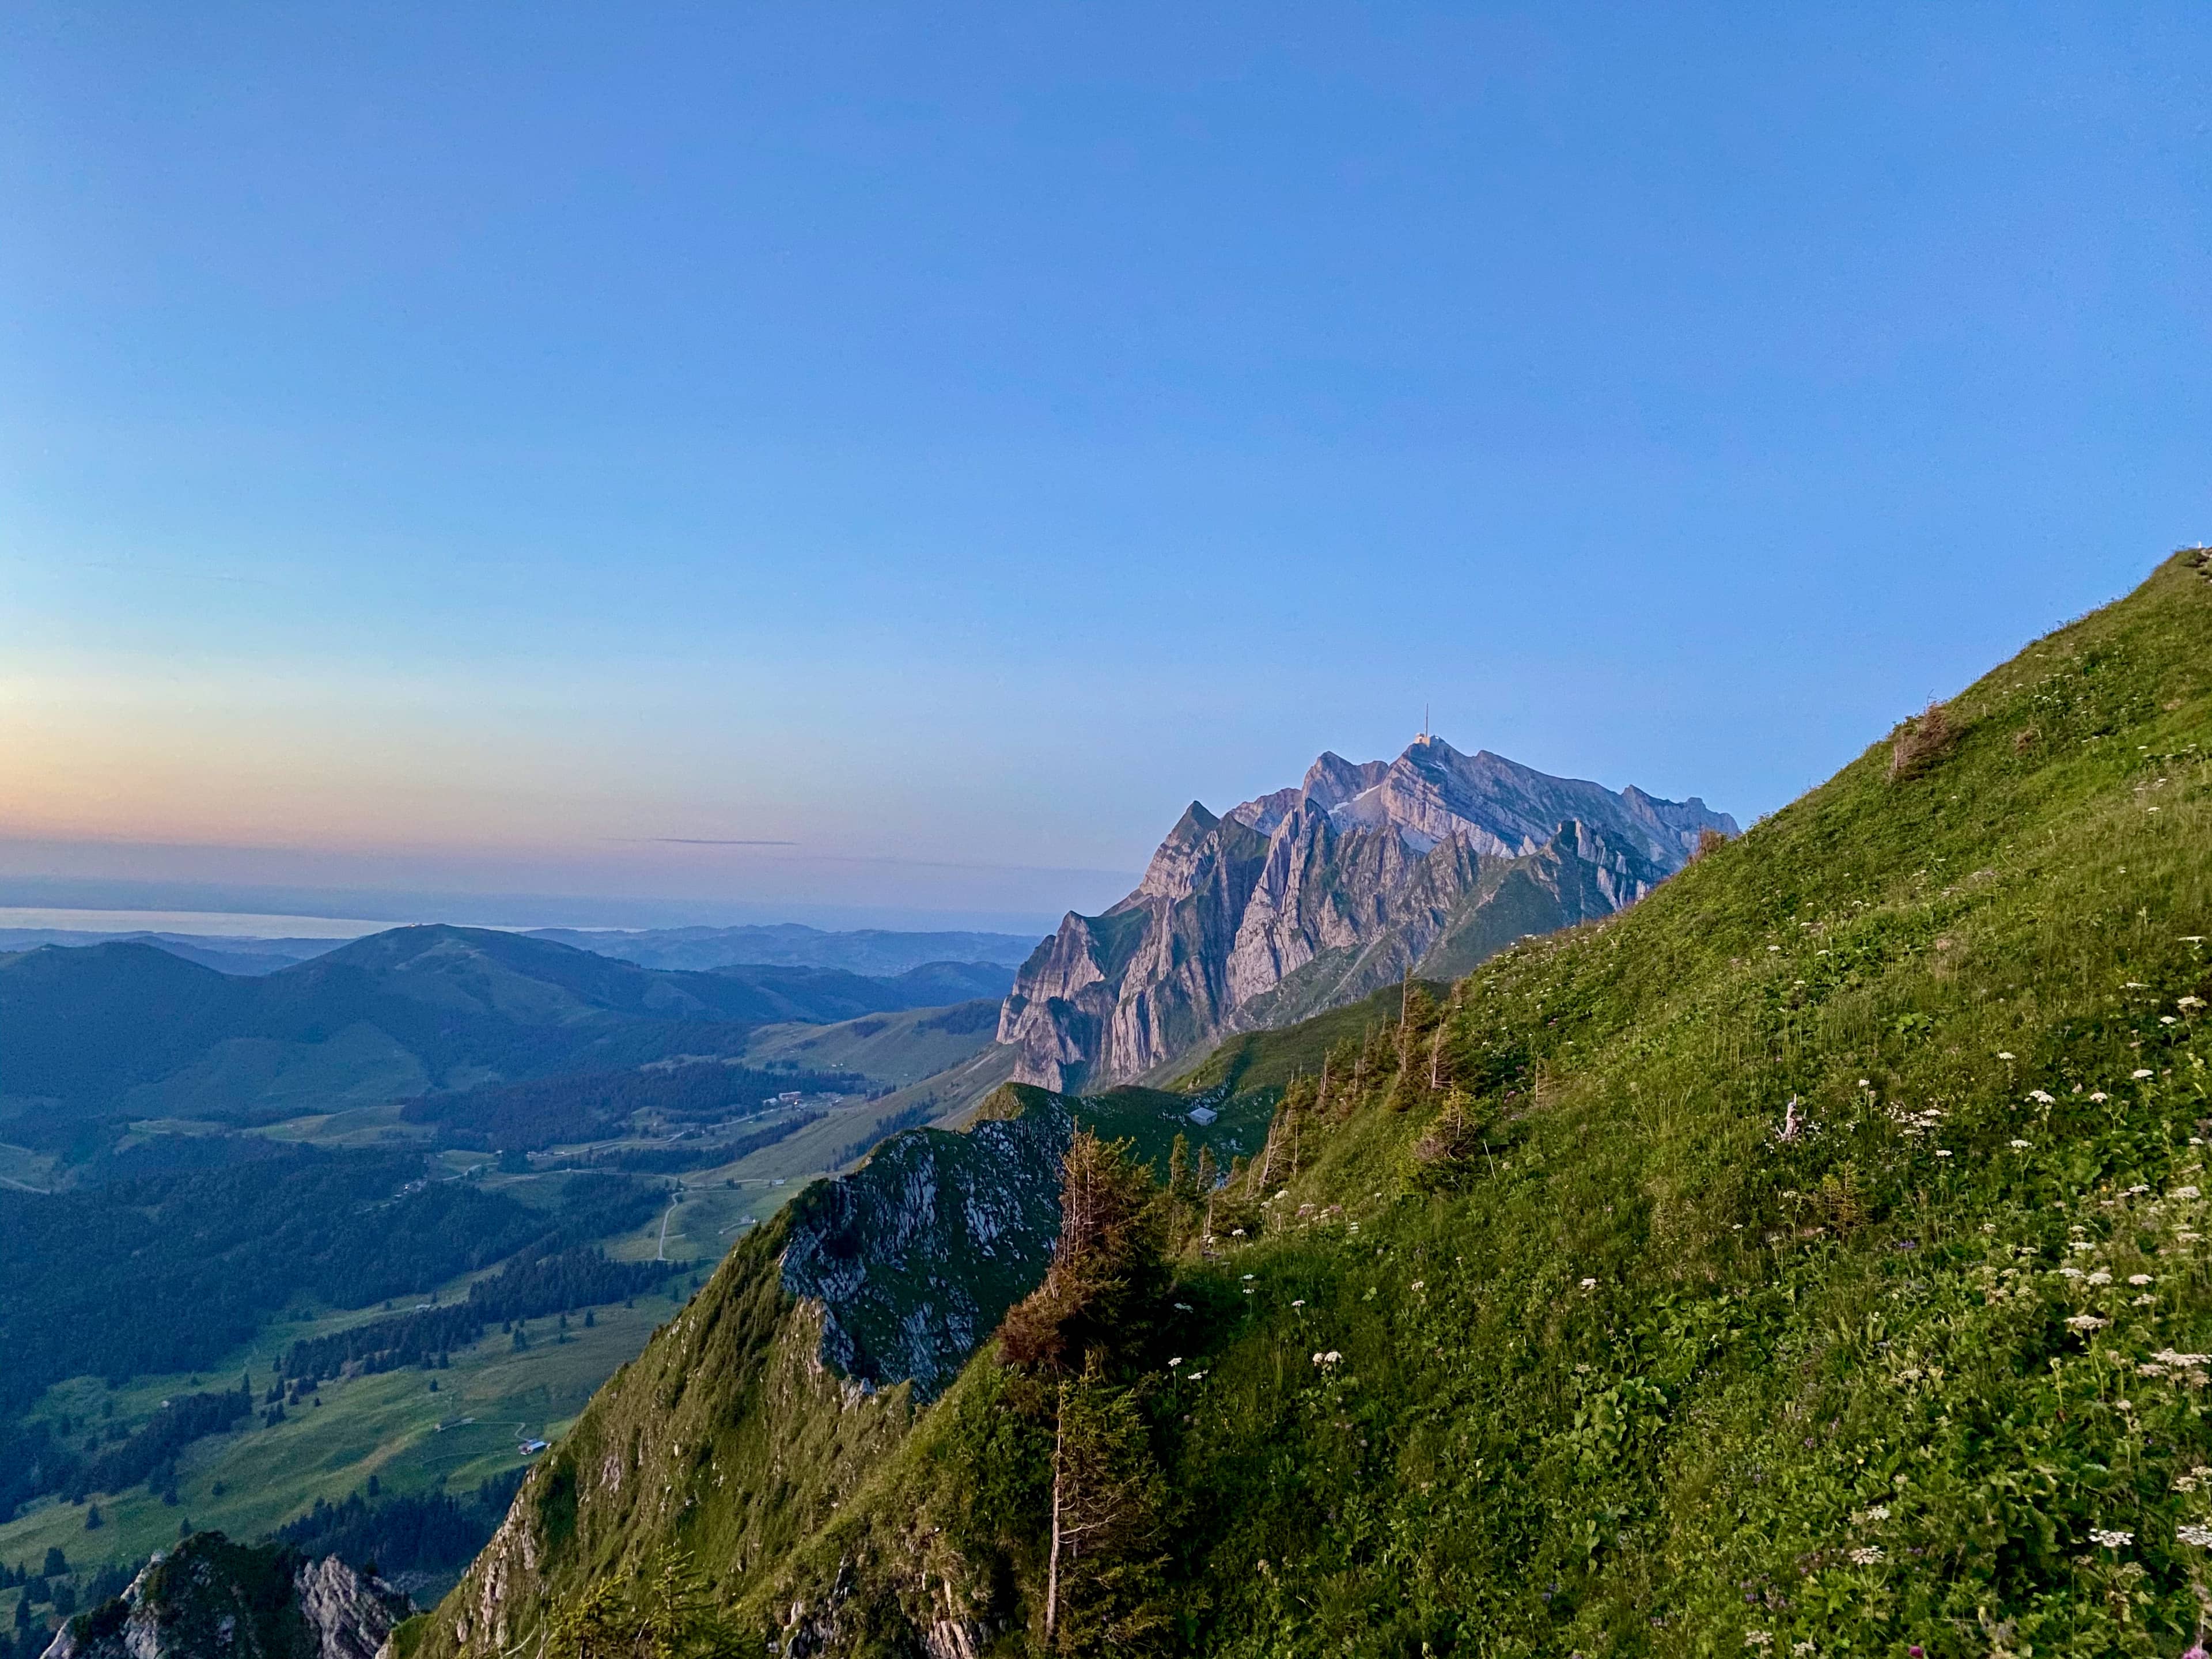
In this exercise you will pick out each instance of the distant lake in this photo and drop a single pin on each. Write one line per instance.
(225, 923)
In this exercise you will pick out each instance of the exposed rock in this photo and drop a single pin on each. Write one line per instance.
(211, 1599)
(1311, 897)
(915, 1256)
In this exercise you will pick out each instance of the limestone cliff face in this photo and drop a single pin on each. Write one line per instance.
(211, 1597)
(1310, 898)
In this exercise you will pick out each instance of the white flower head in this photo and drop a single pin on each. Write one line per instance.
(2139, 1278)
(2099, 1096)
(2019, 1145)
(2185, 1192)
(1866, 1555)
(1589, 1284)
(2040, 1098)
(2139, 1073)
(1300, 1303)
(2004, 1053)
(2100, 1276)
(2197, 1537)
(2112, 1538)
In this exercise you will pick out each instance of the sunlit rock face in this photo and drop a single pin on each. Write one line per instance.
(1312, 896)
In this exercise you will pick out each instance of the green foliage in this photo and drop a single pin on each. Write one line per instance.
(666, 1614)
(1101, 1293)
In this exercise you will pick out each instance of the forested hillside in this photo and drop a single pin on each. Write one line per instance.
(1808, 1259)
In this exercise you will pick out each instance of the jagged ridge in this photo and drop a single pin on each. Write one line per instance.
(1311, 897)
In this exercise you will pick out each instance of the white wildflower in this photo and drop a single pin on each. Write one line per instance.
(2099, 1096)
(2185, 1192)
(1759, 1638)
(2111, 1538)
(2087, 1322)
(1250, 1277)
(2139, 1278)
(2167, 1019)
(1589, 1284)
(1942, 1152)
(2201, 1537)
(2019, 1145)
(2100, 1276)
(1419, 1284)
(2189, 1002)
(2071, 1273)
(1300, 1303)
(1176, 1361)
(2004, 1053)
(2040, 1098)
(2139, 1073)
(1875, 1512)
(1866, 1555)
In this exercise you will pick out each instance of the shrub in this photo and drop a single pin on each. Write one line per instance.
(1918, 743)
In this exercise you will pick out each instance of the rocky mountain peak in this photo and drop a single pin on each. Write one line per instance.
(1309, 896)
(211, 1596)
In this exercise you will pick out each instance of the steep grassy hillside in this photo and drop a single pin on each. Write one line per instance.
(1810, 1259)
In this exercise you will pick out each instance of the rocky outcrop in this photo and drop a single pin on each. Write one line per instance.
(1310, 897)
(211, 1599)
(916, 1255)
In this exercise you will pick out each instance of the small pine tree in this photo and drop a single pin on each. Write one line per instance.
(92, 1521)
(1181, 1184)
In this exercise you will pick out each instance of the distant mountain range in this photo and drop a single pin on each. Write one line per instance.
(1312, 897)
(133, 1030)
(863, 950)
(873, 952)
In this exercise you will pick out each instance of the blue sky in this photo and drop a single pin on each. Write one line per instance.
(489, 450)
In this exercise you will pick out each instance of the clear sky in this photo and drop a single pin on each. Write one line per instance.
(473, 450)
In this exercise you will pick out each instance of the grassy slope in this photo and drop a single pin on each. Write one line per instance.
(1656, 1380)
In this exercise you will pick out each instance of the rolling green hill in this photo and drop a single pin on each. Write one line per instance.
(1810, 1259)
(898, 1049)
(111, 1032)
